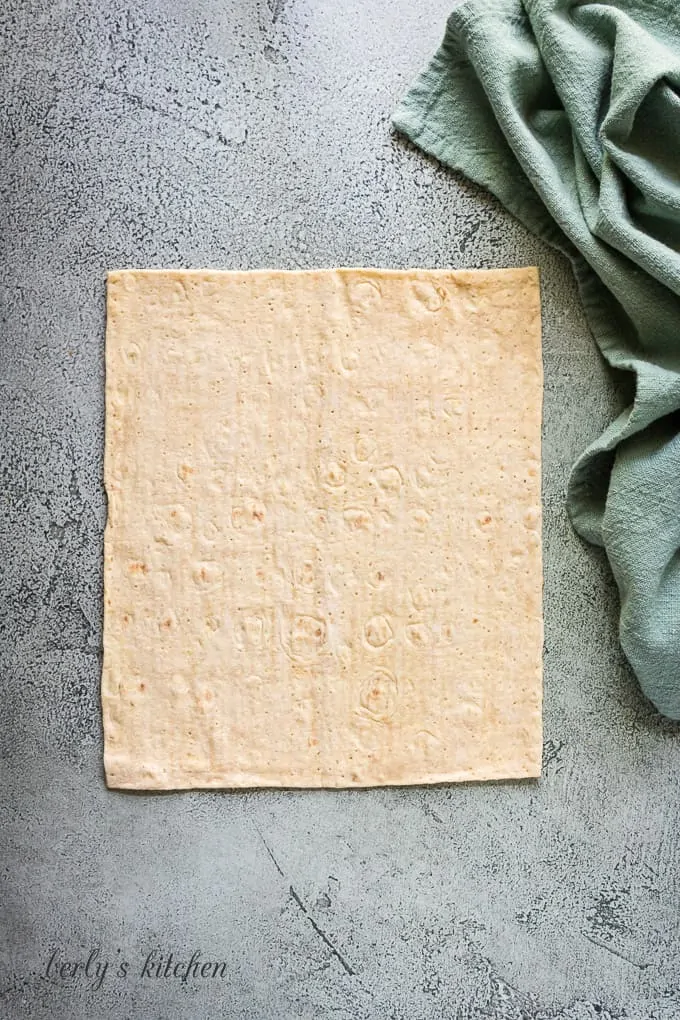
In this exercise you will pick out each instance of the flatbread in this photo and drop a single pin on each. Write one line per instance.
(323, 551)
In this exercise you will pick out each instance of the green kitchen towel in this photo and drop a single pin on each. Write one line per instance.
(569, 112)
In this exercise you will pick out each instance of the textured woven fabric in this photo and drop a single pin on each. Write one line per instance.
(569, 112)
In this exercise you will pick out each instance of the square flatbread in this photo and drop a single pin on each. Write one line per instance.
(323, 553)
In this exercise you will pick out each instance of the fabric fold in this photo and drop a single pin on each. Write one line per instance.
(568, 112)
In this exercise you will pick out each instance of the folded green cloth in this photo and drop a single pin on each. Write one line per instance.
(569, 112)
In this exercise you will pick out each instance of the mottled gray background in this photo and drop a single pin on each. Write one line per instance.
(246, 133)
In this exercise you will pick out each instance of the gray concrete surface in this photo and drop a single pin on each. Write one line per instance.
(243, 133)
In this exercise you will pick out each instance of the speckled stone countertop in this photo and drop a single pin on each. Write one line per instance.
(240, 135)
